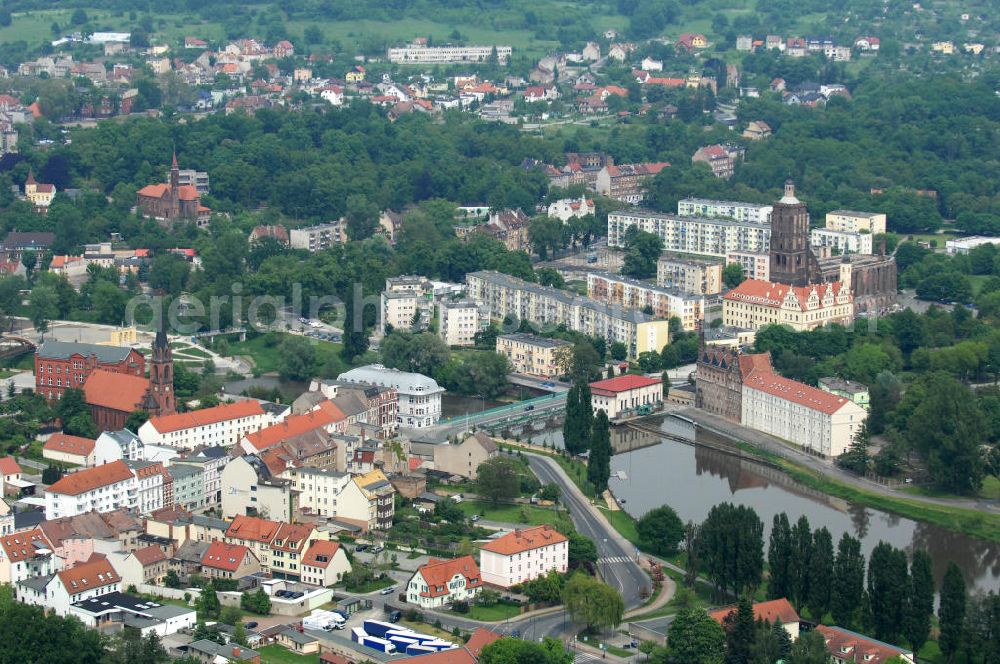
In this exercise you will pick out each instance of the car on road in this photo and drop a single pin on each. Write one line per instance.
(394, 616)
(388, 591)
(548, 383)
(530, 407)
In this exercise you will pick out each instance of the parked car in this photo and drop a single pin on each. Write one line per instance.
(530, 407)
(378, 548)
(388, 591)
(361, 547)
(475, 517)
(394, 616)
(548, 383)
(250, 625)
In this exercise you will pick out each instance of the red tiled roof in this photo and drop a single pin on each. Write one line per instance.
(21, 546)
(326, 414)
(149, 555)
(778, 611)
(481, 638)
(199, 418)
(8, 466)
(150, 470)
(792, 390)
(293, 537)
(320, 548)
(849, 646)
(637, 169)
(252, 528)
(116, 391)
(92, 478)
(439, 573)
(770, 294)
(220, 555)
(528, 539)
(60, 442)
(95, 573)
(622, 384)
(755, 362)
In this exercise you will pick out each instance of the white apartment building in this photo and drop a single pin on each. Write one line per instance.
(422, 54)
(210, 461)
(531, 354)
(523, 555)
(634, 294)
(459, 322)
(419, 396)
(697, 277)
(703, 207)
(819, 421)
(550, 307)
(223, 425)
(56, 593)
(324, 563)
(964, 245)
(852, 221)
(121, 445)
(406, 303)
(149, 478)
(318, 238)
(704, 236)
(441, 582)
(26, 554)
(756, 265)
(321, 490)
(101, 488)
(845, 242)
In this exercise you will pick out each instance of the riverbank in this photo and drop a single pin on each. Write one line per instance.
(958, 515)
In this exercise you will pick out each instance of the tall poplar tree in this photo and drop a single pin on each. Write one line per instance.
(951, 612)
(888, 587)
(848, 582)
(779, 555)
(920, 605)
(820, 574)
(599, 462)
(801, 561)
(741, 632)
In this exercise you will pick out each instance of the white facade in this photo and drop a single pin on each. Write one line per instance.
(441, 582)
(86, 580)
(617, 402)
(149, 482)
(222, 425)
(120, 445)
(419, 396)
(698, 277)
(419, 54)
(843, 241)
(459, 322)
(704, 236)
(406, 303)
(822, 423)
(523, 555)
(114, 488)
(634, 294)
(966, 244)
(567, 208)
(317, 238)
(756, 265)
(703, 207)
(322, 491)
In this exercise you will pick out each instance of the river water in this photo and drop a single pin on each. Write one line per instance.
(691, 479)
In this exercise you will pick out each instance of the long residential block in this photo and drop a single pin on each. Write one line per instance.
(691, 235)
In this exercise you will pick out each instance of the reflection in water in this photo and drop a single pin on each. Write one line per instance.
(692, 479)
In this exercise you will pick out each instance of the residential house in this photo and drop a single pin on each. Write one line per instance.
(76, 538)
(255, 534)
(149, 477)
(649, 64)
(222, 425)
(249, 488)
(189, 485)
(627, 182)
(102, 488)
(523, 555)
(379, 500)
(406, 303)
(689, 275)
(320, 237)
(147, 565)
(773, 612)
(441, 582)
(693, 42)
(211, 461)
(325, 417)
(324, 563)
(57, 592)
(460, 321)
(845, 646)
(211, 652)
(626, 395)
(419, 397)
(849, 389)
(464, 458)
(532, 355)
(568, 208)
(122, 445)
(757, 130)
(39, 194)
(228, 561)
(27, 554)
(721, 159)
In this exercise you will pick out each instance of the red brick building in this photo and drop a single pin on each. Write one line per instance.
(63, 364)
(172, 201)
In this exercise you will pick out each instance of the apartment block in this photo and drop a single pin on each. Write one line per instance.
(756, 265)
(530, 354)
(459, 322)
(422, 54)
(634, 294)
(702, 236)
(704, 207)
(844, 242)
(318, 238)
(688, 275)
(852, 221)
(406, 303)
(540, 305)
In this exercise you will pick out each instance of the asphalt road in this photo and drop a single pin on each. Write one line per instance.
(616, 556)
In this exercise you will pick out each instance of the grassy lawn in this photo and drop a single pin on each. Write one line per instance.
(977, 281)
(275, 654)
(20, 363)
(266, 352)
(495, 613)
(623, 523)
(373, 585)
(536, 516)
(426, 628)
(191, 351)
(936, 240)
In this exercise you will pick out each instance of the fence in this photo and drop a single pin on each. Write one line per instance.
(169, 593)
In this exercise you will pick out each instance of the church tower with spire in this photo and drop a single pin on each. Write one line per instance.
(791, 257)
(175, 187)
(161, 373)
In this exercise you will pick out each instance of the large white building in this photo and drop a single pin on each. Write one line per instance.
(406, 303)
(459, 322)
(222, 425)
(102, 488)
(626, 395)
(419, 396)
(318, 238)
(688, 275)
(966, 244)
(26, 554)
(549, 307)
(121, 445)
(703, 207)
(819, 421)
(851, 221)
(441, 582)
(631, 293)
(704, 236)
(754, 304)
(844, 242)
(423, 54)
(756, 265)
(149, 479)
(567, 208)
(523, 555)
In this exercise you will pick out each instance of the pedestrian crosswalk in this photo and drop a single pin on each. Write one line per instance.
(614, 559)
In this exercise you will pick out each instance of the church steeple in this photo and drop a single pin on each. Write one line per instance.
(161, 372)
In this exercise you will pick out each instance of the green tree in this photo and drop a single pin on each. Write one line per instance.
(592, 603)
(497, 479)
(810, 648)
(856, 458)
(692, 565)
(258, 602)
(296, 358)
(207, 604)
(951, 611)
(578, 422)
(848, 581)
(599, 461)
(731, 544)
(888, 581)
(546, 233)
(800, 563)
(920, 600)
(42, 307)
(821, 573)
(660, 530)
(733, 275)
(136, 419)
(642, 250)
(362, 217)
(740, 632)
(693, 637)
(581, 550)
(779, 556)
(421, 353)
(516, 651)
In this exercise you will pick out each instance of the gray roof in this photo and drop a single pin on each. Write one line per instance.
(63, 350)
(123, 437)
(675, 292)
(842, 385)
(191, 551)
(428, 497)
(165, 611)
(712, 201)
(854, 213)
(213, 648)
(715, 221)
(310, 470)
(298, 637)
(182, 471)
(404, 381)
(37, 583)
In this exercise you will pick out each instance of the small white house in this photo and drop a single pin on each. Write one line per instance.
(324, 563)
(441, 582)
(120, 445)
(94, 578)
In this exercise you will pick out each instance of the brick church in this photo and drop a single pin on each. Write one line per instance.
(172, 201)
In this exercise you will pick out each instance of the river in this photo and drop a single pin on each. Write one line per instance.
(691, 479)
